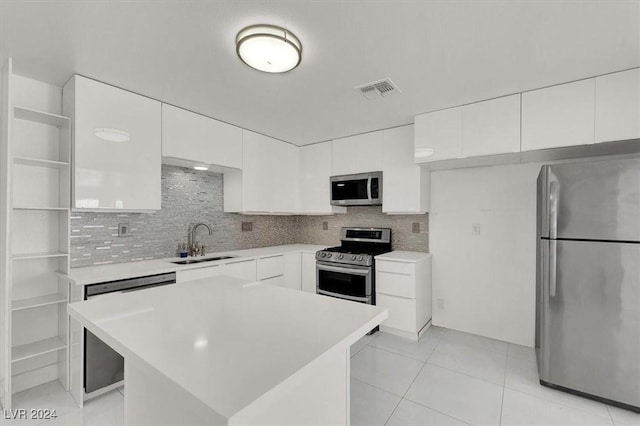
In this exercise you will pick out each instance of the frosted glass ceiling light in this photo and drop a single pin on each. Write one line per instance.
(201, 168)
(268, 48)
(112, 135)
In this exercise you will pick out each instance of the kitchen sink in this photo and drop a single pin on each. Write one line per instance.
(195, 260)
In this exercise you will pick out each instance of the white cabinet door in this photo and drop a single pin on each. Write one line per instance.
(357, 154)
(285, 183)
(315, 171)
(491, 127)
(438, 135)
(405, 184)
(618, 106)
(198, 273)
(269, 267)
(558, 116)
(184, 134)
(268, 182)
(194, 137)
(309, 272)
(293, 271)
(111, 174)
(277, 281)
(244, 269)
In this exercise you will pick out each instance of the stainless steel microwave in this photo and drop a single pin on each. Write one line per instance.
(362, 189)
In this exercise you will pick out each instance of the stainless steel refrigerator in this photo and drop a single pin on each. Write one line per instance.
(588, 279)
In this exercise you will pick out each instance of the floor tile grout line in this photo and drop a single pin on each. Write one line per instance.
(549, 399)
(376, 387)
(613, 422)
(437, 411)
(572, 407)
(504, 382)
(466, 374)
(402, 355)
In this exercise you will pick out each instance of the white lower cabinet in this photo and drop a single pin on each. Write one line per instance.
(309, 272)
(277, 281)
(293, 271)
(269, 267)
(244, 269)
(403, 286)
(197, 273)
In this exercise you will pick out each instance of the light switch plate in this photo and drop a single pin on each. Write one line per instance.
(247, 226)
(475, 229)
(415, 227)
(325, 226)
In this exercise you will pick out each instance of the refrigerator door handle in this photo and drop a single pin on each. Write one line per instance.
(553, 248)
(553, 209)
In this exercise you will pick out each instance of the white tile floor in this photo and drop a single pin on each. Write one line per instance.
(447, 378)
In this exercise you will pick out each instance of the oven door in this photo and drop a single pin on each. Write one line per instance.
(345, 281)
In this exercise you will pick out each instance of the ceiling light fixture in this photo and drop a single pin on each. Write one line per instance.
(112, 135)
(201, 168)
(268, 48)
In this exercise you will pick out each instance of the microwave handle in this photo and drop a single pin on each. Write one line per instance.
(369, 189)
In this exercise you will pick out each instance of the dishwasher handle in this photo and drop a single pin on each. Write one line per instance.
(130, 284)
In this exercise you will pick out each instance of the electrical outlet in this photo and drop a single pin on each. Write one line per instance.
(123, 230)
(440, 303)
(475, 229)
(325, 226)
(415, 227)
(247, 226)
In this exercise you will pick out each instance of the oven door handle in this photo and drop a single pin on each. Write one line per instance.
(369, 189)
(353, 271)
(344, 296)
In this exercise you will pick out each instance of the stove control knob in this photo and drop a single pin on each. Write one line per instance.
(328, 254)
(354, 257)
(341, 256)
(361, 258)
(323, 254)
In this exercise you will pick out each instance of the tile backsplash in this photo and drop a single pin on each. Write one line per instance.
(190, 196)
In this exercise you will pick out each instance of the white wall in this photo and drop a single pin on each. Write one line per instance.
(486, 281)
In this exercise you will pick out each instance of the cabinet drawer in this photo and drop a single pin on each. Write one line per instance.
(245, 270)
(395, 267)
(278, 281)
(402, 312)
(270, 267)
(198, 273)
(396, 284)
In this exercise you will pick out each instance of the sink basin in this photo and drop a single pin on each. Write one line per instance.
(196, 260)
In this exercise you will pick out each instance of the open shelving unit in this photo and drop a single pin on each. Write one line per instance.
(36, 148)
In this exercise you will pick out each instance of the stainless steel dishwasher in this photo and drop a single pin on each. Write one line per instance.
(104, 367)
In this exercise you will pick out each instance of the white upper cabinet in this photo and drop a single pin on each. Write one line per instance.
(268, 182)
(194, 137)
(315, 171)
(558, 116)
(357, 154)
(618, 106)
(491, 127)
(111, 174)
(438, 135)
(405, 184)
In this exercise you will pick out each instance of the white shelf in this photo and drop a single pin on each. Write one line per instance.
(40, 116)
(40, 347)
(41, 255)
(59, 209)
(34, 302)
(39, 162)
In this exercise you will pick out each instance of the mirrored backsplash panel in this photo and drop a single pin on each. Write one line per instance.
(191, 196)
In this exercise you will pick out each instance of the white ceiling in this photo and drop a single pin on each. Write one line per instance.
(440, 54)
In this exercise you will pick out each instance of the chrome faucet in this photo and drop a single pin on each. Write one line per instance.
(193, 244)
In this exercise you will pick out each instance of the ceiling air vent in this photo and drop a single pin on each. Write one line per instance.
(378, 88)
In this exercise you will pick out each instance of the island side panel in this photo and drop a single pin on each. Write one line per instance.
(316, 395)
(152, 399)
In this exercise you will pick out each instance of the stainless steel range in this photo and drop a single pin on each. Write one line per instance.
(348, 271)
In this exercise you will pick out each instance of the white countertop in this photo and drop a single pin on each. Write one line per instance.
(225, 341)
(403, 256)
(119, 271)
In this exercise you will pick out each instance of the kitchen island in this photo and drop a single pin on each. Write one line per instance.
(224, 351)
